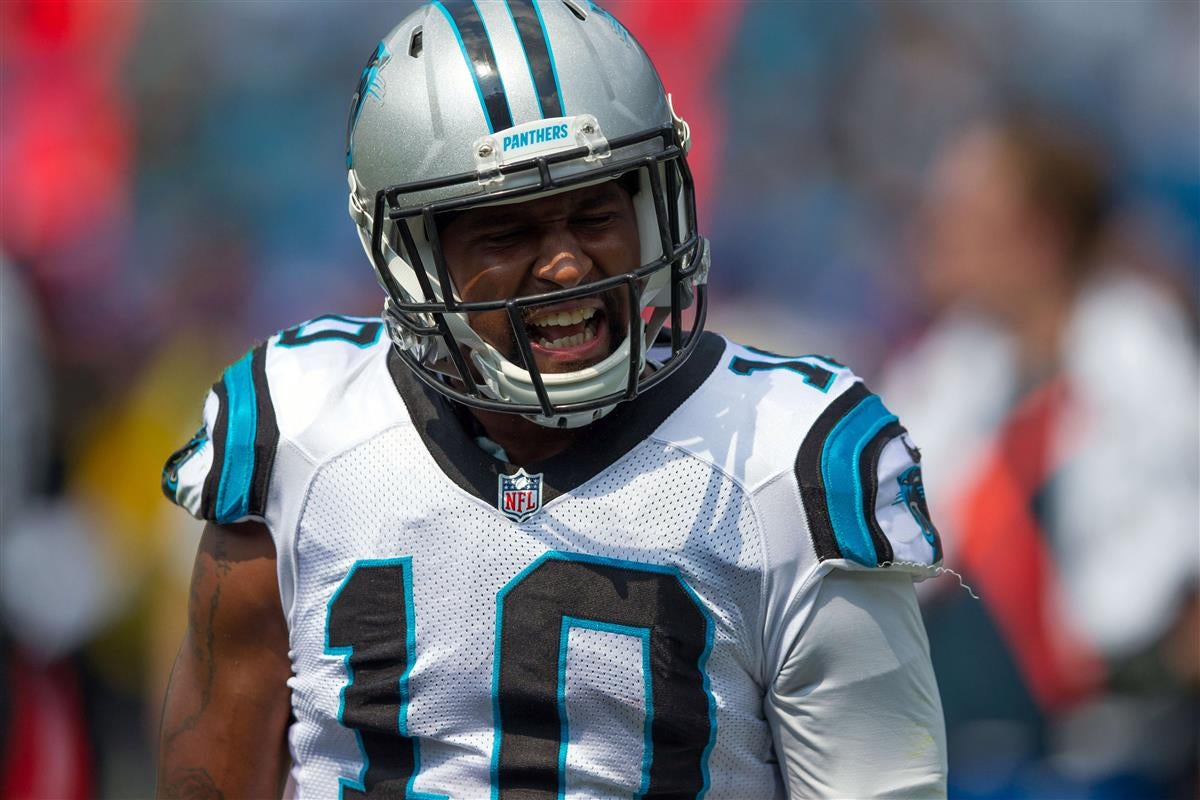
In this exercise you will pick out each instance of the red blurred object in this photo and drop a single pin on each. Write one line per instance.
(1006, 553)
(95, 33)
(48, 753)
(688, 41)
(65, 144)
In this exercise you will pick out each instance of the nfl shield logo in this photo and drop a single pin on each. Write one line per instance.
(520, 495)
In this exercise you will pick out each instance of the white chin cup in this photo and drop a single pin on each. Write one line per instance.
(507, 381)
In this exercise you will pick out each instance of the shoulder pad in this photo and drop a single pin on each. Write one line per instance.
(222, 473)
(750, 415)
(763, 416)
(859, 476)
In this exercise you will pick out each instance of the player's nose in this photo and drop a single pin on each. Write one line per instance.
(561, 259)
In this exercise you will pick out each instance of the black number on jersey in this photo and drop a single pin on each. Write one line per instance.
(534, 615)
(371, 623)
(814, 374)
(358, 332)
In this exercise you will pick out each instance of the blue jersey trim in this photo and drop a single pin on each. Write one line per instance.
(569, 622)
(843, 484)
(701, 664)
(410, 648)
(405, 564)
(369, 330)
(345, 653)
(237, 469)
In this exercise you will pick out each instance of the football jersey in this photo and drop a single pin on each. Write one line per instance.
(604, 623)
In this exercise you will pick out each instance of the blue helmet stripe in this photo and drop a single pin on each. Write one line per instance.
(527, 18)
(468, 27)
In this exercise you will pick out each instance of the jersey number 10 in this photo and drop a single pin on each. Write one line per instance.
(371, 624)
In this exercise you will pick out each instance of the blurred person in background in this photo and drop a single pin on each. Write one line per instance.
(1056, 393)
(45, 747)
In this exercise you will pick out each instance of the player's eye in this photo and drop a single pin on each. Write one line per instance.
(505, 237)
(595, 220)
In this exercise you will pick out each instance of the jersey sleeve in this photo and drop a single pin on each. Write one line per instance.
(855, 711)
(223, 473)
(851, 695)
(859, 478)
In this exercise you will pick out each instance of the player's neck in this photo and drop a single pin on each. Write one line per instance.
(523, 441)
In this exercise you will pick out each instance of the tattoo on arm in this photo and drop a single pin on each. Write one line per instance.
(234, 651)
(202, 649)
(192, 784)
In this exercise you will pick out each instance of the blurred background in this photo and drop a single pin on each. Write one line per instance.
(990, 209)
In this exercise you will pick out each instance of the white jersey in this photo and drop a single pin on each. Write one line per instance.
(646, 614)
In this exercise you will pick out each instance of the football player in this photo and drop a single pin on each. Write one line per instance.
(535, 533)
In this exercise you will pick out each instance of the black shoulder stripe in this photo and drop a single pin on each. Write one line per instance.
(477, 47)
(266, 436)
(808, 470)
(868, 470)
(208, 497)
(537, 50)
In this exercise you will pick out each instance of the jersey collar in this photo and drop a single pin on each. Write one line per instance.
(453, 445)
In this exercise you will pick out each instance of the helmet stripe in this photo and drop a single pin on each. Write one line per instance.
(476, 45)
(527, 18)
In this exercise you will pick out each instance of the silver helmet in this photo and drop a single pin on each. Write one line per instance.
(466, 104)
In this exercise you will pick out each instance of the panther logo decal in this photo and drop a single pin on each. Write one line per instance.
(369, 84)
(912, 495)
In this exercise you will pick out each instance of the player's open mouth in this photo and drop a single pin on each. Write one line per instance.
(568, 333)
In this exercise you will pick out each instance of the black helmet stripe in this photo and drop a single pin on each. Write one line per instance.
(477, 49)
(527, 17)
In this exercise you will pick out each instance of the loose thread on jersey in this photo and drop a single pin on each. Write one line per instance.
(939, 571)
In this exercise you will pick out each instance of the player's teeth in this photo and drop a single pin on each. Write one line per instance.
(567, 341)
(564, 317)
(589, 333)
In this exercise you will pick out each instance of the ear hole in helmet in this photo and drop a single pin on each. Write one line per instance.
(578, 10)
(416, 43)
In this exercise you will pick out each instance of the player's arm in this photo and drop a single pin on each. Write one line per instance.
(850, 692)
(227, 707)
(855, 709)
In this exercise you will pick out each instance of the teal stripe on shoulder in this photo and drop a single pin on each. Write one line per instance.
(237, 469)
(843, 483)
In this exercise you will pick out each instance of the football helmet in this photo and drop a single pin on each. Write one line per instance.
(469, 103)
